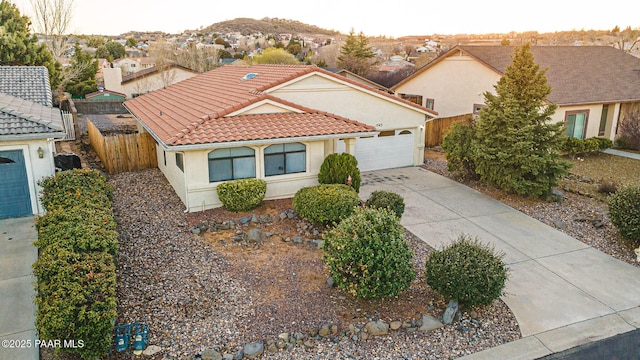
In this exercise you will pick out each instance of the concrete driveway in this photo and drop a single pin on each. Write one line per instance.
(563, 292)
(17, 310)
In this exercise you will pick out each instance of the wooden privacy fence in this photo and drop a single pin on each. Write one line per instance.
(436, 129)
(123, 152)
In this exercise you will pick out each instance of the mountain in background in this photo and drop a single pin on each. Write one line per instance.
(247, 26)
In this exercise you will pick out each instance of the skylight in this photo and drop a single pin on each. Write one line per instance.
(249, 76)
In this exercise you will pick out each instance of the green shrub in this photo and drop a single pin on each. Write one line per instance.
(386, 199)
(573, 146)
(76, 299)
(624, 211)
(467, 271)
(78, 230)
(243, 194)
(75, 187)
(325, 203)
(336, 169)
(367, 254)
(458, 148)
(604, 143)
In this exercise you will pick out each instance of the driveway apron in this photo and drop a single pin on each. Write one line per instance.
(563, 292)
(17, 310)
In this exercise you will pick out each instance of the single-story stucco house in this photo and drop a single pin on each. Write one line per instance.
(593, 86)
(274, 122)
(29, 124)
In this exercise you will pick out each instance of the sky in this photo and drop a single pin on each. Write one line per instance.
(373, 17)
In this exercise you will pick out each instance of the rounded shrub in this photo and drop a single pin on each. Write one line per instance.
(624, 211)
(604, 143)
(325, 203)
(242, 194)
(467, 271)
(336, 169)
(458, 149)
(367, 254)
(386, 199)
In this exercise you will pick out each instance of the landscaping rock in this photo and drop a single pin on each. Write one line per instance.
(560, 225)
(377, 328)
(284, 337)
(430, 323)
(450, 312)
(255, 236)
(151, 350)
(395, 325)
(325, 330)
(253, 350)
(330, 281)
(210, 354)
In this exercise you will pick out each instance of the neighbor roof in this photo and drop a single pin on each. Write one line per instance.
(150, 71)
(192, 111)
(24, 117)
(576, 74)
(27, 82)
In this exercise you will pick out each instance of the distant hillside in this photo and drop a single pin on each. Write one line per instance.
(248, 26)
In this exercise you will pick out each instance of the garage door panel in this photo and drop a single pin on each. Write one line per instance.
(383, 152)
(15, 199)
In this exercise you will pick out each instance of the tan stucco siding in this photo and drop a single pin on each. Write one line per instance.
(37, 168)
(455, 83)
(154, 82)
(593, 119)
(200, 194)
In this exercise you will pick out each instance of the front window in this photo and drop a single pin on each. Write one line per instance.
(576, 123)
(603, 119)
(180, 161)
(231, 164)
(430, 104)
(285, 159)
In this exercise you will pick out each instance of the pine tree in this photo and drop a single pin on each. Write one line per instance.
(18, 47)
(516, 147)
(356, 54)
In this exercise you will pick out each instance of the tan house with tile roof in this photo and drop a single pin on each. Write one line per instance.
(593, 86)
(274, 122)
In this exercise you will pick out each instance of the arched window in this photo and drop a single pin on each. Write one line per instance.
(285, 159)
(231, 164)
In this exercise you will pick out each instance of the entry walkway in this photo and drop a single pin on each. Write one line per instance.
(563, 292)
(17, 310)
(622, 153)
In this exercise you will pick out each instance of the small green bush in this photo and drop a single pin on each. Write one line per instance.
(325, 203)
(242, 194)
(367, 254)
(604, 143)
(75, 187)
(386, 199)
(336, 169)
(624, 211)
(573, 146)
(458, 148)
(467, 271)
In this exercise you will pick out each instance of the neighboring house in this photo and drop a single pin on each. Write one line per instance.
(29, 124)
(144, 81)
(591, 85)
(361, 79)
(274, 122)
(127, 65)
(105, 95)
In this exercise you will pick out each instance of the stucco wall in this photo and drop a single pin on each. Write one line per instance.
(37, 168)
(455, 84)
(201, 194)
(593, 119)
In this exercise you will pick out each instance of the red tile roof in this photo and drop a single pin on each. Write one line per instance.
(193, 111)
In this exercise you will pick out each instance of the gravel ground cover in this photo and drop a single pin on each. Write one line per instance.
(201, 293)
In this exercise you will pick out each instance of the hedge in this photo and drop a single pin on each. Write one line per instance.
(75, 271)
(242, 194)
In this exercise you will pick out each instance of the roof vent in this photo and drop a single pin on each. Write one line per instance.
(249, 76)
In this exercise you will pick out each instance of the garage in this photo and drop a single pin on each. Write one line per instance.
(389, 149)
(15, 199)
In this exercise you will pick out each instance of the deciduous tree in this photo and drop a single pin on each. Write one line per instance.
(83, 73)
(115, 49)
(275, 56)
(516, 147)
(52, 19)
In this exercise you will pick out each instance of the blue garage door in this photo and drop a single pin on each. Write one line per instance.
(14, 186)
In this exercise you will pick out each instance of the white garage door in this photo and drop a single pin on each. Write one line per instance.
(383, 152)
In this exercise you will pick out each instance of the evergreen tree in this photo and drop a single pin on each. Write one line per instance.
(115, 49)
(356, 54)
(18, 47)
(516, 147)
(84, 68)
